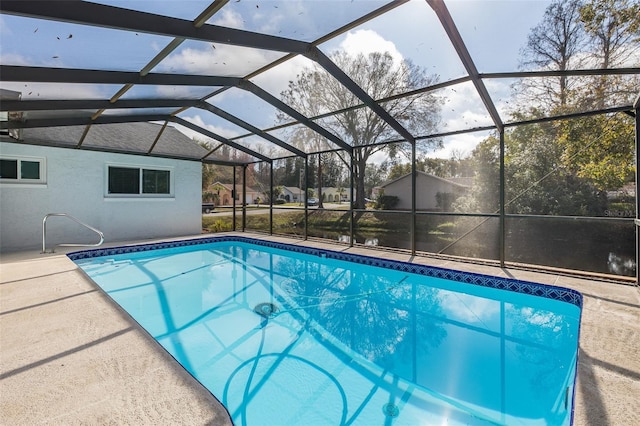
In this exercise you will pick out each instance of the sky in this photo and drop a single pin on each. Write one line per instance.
(493, 30)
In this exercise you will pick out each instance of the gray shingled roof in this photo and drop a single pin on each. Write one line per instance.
(122, 137)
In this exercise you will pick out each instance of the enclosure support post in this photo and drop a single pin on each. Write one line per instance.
(320, 204)
(244, 197)
(306, 193)
(271, 198)
(636, 107)
(502, 225)
(413, 197)
(233, 197)
(351, 213)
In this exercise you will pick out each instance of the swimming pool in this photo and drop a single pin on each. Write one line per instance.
(285, 334)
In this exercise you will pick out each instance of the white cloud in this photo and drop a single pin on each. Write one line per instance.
(13, 59)
(229, 18)
(276, 80)
(378, 157)
(501, 94)
(368, 41)
(217, 59)
(470, 309)
(463, 143)
(462, 108)
(156, 47)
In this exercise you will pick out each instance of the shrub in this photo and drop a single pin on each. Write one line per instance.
(217, 224)
(386, 202)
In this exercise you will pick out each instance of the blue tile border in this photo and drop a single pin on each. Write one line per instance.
(543, 290)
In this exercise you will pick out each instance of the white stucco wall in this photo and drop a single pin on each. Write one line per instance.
(76, 184)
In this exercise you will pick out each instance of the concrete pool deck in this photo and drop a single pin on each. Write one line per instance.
(69, 355)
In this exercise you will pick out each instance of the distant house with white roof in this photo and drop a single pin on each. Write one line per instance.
(292, 194)
(332, 194)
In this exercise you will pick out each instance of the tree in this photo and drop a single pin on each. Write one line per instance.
(614, 27)
(600, 149)
(398, 170)
(601, 33)
(376, 175)
(288, 172)
(582, 34)
(215, 173)
(210, 172)
(536, 179)
(314, 92)
(484, 196)
(272, 197)
(554, 44)
(455, 166)
(614, 30)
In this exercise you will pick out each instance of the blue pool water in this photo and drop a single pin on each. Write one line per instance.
(286, 335)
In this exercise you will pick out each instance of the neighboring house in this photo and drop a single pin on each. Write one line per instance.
(627, 191)
(427, 189)
(224, 193)
(292, 194)
(335, 195)
(125, 196)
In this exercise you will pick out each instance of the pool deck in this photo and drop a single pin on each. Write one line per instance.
(69, 355)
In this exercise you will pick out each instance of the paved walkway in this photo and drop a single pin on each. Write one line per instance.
(69, 355)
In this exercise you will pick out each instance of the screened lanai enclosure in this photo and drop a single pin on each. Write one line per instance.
(492, 131)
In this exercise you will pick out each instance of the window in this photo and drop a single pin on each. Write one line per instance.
(22, 170)
(4, 116)
(138, 181)
(155, 181)
(124, 180)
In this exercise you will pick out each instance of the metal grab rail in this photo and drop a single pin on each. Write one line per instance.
(91, 228)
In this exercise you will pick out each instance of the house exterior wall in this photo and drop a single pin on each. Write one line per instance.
(223, 193)
(426, 189)
(332, 195)
(76, 185)
(251, 198)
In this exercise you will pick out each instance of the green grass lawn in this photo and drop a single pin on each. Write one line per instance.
(292, 221)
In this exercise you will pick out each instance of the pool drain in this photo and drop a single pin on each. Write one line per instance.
(265, 309)
(390, 410)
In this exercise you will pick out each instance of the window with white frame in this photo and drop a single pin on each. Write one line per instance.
(142, 181)
(22, 169)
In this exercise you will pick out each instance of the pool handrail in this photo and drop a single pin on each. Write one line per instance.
(91, 228)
